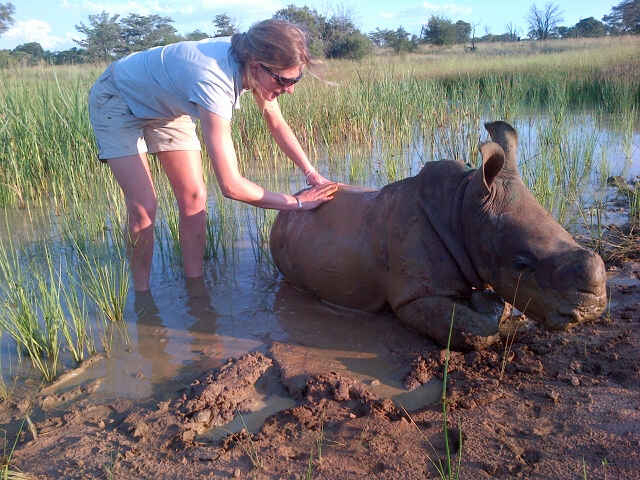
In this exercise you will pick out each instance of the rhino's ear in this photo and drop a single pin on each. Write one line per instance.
(506, 136)
(492, 163)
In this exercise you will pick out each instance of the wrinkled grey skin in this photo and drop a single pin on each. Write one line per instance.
(440, 238)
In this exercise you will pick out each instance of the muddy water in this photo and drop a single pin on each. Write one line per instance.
(190, 328)
(183, 329)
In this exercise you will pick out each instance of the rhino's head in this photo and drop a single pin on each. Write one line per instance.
(519, 248)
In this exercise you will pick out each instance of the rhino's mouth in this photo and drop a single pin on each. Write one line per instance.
(589, 308)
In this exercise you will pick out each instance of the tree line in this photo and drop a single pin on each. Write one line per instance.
(108, 37)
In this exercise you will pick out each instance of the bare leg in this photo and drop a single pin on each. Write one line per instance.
(133, 175)
(184, 170)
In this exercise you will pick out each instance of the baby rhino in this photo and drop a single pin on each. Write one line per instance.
(439, 239)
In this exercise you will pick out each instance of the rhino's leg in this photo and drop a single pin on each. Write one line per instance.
(475, 323)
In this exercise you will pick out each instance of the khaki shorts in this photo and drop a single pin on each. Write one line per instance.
(120, 133)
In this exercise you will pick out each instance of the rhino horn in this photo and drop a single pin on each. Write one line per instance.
(505, 135)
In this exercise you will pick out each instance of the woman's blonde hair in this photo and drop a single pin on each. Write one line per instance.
(277, 44)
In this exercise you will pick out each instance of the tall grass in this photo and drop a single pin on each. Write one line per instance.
(451, 472)
(6, 470)
(222, 228)
(633, 196)
(43, 292)
(29, 318)
(259, 223)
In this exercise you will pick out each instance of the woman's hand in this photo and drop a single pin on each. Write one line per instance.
(315, 196)
(314, 178)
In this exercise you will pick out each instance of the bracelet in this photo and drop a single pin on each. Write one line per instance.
(299, 202)
(307, 174)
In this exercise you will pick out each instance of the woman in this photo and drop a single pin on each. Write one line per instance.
(146, 102)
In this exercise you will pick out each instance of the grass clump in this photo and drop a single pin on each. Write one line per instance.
(450, 473)
(7, 472)
(447, 470)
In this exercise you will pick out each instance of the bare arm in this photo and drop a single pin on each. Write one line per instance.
(286, 140)
(217, 135)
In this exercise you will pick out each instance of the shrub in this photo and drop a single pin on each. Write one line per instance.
(354, 46)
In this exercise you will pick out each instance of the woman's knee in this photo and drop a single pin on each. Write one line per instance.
(142, 214)
(193, 200)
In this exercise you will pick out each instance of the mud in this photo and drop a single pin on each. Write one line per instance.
(538, 405)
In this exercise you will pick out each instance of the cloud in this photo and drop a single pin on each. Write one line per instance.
(234, 4)
(447, 8)
(140, 7)
(173, 7)
(26, 31)
(244, 12)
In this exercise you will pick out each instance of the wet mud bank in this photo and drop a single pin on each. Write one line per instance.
(538, 405)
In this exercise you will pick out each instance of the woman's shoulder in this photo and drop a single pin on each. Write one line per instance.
(210, 53)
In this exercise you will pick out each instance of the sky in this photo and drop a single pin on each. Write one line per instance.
(52, 22)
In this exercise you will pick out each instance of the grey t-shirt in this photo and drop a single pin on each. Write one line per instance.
(170, 81)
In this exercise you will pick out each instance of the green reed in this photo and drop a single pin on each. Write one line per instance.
(20, 317)
(20, 320)
(77, 329)
(222, 228)
(46, 138)
(259, 223)
(32, 313)
(633, 196)
(556, 167)
(44, 309)
(106, 282)
(167, 231)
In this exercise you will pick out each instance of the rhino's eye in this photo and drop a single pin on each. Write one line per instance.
(524, 262)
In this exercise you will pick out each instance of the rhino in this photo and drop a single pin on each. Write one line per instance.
(449, 246)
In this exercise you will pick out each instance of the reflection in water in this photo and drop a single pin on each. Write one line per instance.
(152, 337)
(199, 307)
(169, 356)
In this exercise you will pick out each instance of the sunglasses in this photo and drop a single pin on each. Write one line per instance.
(282, 81)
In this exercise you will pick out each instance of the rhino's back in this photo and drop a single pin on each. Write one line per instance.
(333, 250)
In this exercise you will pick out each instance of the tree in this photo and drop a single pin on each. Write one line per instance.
(196, 35)
(308, 20)
(399, 40)
(439, 31)
(624, 17)
(335, 29)
(354, 45)
(336, 37)
(139, 32)
(512, 32)
(380, 38)
(32, 48)
(342, 39)
(566, 32)
(225, 26)
(103, 36)
(589, 27)
(6, 16)
(463, 31)
(74, 55)
(543, 24)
